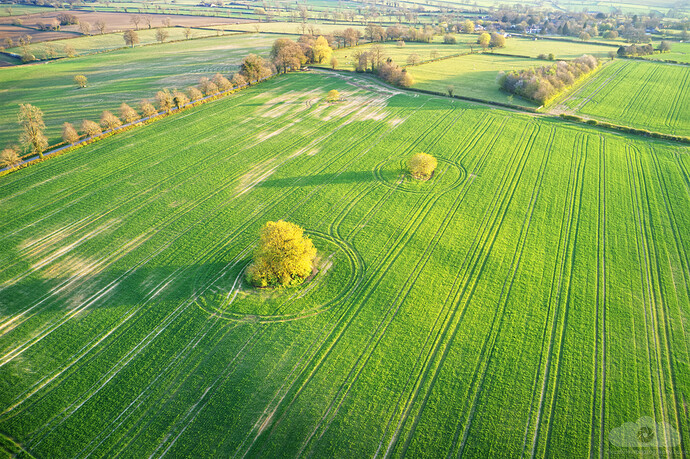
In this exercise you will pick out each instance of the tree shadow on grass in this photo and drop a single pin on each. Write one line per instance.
(338, 178)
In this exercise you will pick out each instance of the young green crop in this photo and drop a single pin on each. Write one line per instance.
(535, 286)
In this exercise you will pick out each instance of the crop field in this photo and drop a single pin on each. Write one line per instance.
(106, 42)
(126, 75)
(399, 54)
(560, 49)
(640, 94)
(536, 286)
(680, 52)
(472, 75)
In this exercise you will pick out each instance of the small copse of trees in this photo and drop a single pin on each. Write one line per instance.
(284, 257)
(542, 84)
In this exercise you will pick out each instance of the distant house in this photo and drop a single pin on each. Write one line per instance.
(479, 28)
(533, 29)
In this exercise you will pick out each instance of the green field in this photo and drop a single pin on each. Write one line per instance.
(528, 300)
(399, 54)
(560, 49)
(127, 75)
(108, 41)
(473, 75)
(640, 94)
(680, 52)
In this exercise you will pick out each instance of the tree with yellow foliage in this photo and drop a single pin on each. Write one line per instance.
(321, 50)
(333, 95)
(285, 256)
(422, 166)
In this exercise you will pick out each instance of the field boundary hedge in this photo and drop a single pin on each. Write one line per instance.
(625, 129)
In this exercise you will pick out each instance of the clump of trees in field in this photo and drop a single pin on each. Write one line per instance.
(541, 84)
(422, 166)
(374, 60)
(643, 50)
(493, 40)
(288, 55)
(284, 257)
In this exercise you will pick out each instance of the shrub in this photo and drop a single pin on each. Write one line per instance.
(449, 39)
(422, 166)
(333, 95)
(284, 256)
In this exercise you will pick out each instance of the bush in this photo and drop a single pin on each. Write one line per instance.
(422, 166)
(284, 256)
(333, 95)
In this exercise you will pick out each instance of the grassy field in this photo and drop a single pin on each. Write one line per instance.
(108, 41)
(17, 10)
(639, 94)
(536, 287)
(399, 54)
(290, 27)
(127, 75)
(680, 52)
(472, 75)
(560, 49)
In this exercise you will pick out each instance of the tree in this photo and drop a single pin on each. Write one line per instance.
(334, 62)
(285, 256)
(449, 39)
(422, 166)
(127, 113)
(85, 27)
(406, 80)
(100, 25)
(131, 38)
(468, 26)
(110, 121)
(69, 51)
(69, 133)
(194, 93)
(180, 99)
(413, 59)
(135, 20)
(497, 40)
(321, 50)
(90, 128)
(222, 83)
(207, 86)
(450, 90)
(584, 36)
(612, 55)
(286, 54)
(484, 40)
(32, 125)
(664, 47)
(187, 32)
(147, 108)
(238, 80)
(333, 95)
(252, 68)
(161, 35)
(9, 158)
(80, 81)
(164, 100)
(376, 56)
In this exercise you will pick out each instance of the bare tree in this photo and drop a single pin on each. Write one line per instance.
(161, 35)
(147, 108)
(131, 38)
(110, 121)
(69, 133)
(187, 32)
(85, 27)
(31, 121)
(9, 158)
(90, 128)
(135, 20)
(127, 113)
(100, 25)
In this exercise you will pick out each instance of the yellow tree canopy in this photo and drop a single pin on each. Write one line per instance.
(285, 256)
(333, 95)
(422, 166)
(321, 50)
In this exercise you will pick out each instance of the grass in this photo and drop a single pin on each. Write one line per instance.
(680, 52)
(560, 49)
(472, 75)
(537, 286)
(290, 27)
(399, 54)
(108, 41)
(126, 75)
(640, 94)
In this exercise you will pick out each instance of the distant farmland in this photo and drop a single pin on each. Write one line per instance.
(528, 300)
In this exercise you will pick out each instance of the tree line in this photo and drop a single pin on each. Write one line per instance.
(541, 84)
(32, 138)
